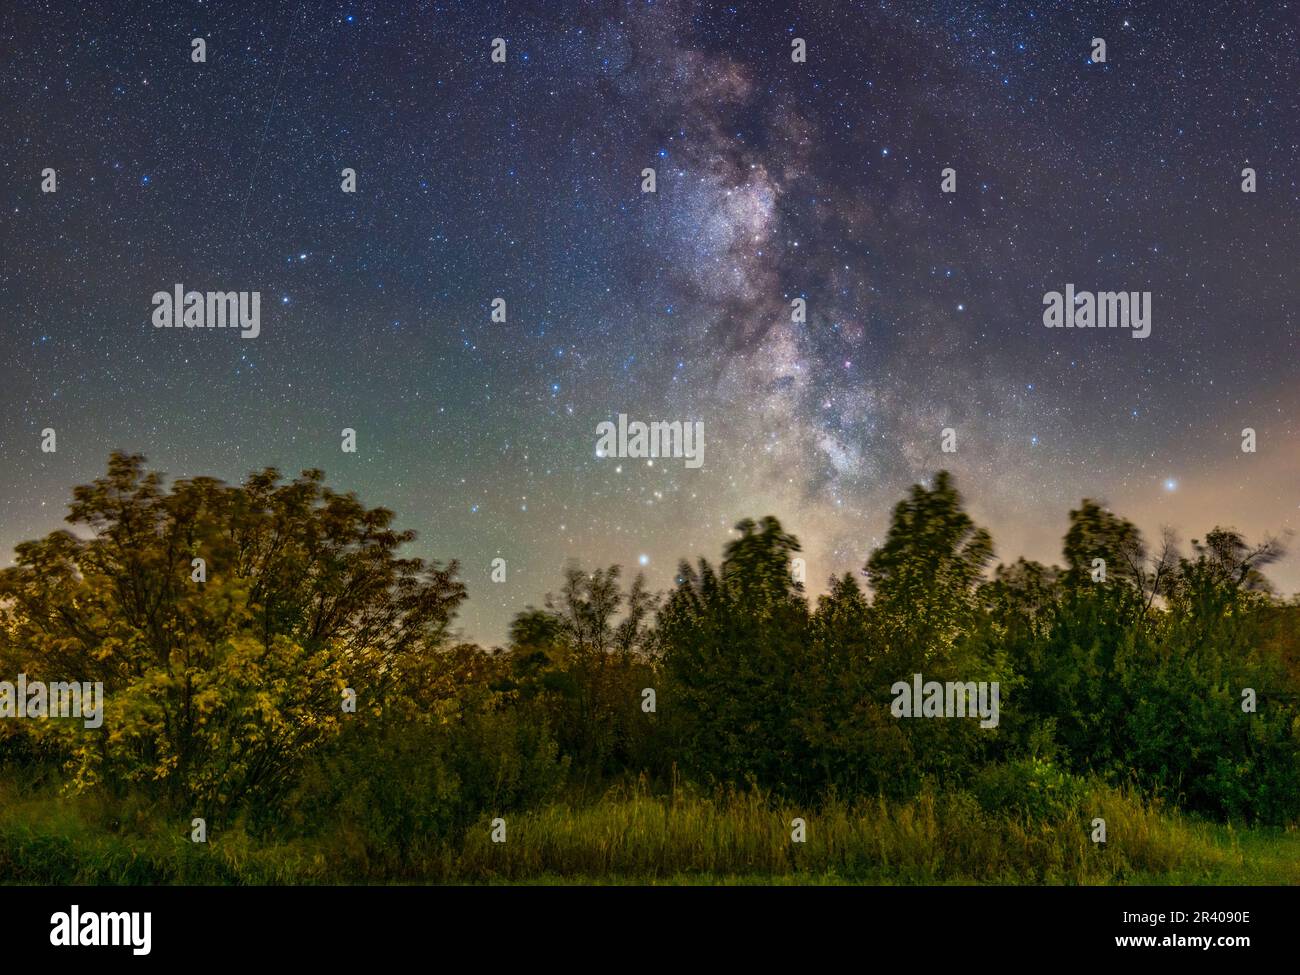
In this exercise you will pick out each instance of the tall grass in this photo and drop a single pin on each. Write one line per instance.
(932, 839)
(633, 836)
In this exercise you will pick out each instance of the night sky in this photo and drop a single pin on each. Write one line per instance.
(775, 180)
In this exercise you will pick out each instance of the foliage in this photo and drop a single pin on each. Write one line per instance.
(224, 694)
(216, 690)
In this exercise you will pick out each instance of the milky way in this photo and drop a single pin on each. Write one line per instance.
(775, 180)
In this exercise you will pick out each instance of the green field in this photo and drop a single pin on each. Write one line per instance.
(641, 839)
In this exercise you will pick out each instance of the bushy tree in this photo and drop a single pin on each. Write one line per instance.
(732, 640)
(926, 573)
(585, 659)
(217, 689)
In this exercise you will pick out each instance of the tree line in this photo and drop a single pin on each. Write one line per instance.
(1176, 673)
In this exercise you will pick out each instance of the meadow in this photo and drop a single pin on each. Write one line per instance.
(632, 837)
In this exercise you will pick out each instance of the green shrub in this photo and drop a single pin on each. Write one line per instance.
(1032, 787)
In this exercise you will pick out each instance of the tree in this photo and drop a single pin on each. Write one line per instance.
(925, 575)
(221, 675)
(586, 655)
(731, 641)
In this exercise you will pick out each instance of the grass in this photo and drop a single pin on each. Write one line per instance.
(633, 837)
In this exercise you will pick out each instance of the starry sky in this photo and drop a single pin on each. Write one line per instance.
(776, 180)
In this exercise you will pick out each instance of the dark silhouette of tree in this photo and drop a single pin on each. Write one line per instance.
(731, 642)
